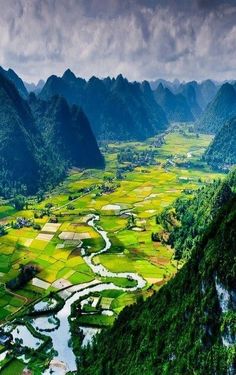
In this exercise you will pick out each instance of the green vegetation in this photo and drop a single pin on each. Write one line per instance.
(219, 110)
(187, 219)
(221, 154)
(188, 326)
(13, 367)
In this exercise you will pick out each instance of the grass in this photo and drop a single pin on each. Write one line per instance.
(14, 367)
(96, 320)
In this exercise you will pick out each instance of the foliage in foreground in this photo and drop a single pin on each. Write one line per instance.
(179, 330)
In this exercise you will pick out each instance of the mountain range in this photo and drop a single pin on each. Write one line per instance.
(116, 108)
(65, 114)
(196, 94)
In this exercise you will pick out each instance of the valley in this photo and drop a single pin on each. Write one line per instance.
(91, 241)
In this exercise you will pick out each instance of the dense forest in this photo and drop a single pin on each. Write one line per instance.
(187, 218)
(188, 327)
(221, 154)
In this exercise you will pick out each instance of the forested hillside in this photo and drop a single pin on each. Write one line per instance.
(221, 153)
(188, 327)
(219, 110)
(188, 217)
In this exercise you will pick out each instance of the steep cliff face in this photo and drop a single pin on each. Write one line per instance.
(189, 326)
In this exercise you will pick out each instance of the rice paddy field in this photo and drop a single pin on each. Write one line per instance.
(56, 247)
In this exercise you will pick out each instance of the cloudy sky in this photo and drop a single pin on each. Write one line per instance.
(142, 39)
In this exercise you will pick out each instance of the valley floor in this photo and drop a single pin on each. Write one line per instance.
(110, 255)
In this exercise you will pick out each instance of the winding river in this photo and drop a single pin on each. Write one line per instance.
(61, 335)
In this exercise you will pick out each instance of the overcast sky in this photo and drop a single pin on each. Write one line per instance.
(142, 39)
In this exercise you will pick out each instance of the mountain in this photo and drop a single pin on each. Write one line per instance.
(21, 145)
(190, 91)
(219, 110)
(197, 94)
(206, 92)
(36, 88)
(188, 326)
(221, 153)
(16, 80)
(33, 156)
(175, 106)
(173, 86)
(116, 108)
(66, 132)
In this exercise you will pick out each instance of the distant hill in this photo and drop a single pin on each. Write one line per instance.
(29, 160)
(188, 326)
(219, 110)
(190, 91)
(174, 105)
(116, 108)
(221, 153)
(36, 88)
(197, 94)
(14, 78)
(173, 86)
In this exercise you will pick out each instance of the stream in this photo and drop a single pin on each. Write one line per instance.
(61, 335)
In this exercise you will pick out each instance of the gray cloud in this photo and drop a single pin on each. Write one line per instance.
(142, 39)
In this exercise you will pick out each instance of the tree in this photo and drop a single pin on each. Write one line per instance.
(19, 202)
(2, 230)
